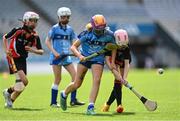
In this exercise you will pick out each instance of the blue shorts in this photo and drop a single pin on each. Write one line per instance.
(63, 62)
(88, 64)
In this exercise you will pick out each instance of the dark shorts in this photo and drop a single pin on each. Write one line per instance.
(118, 62)
(20, 65)
(88, 64)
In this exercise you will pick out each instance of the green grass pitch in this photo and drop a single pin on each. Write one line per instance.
(33, 103)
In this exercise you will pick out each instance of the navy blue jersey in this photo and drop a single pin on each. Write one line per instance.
(92, 43)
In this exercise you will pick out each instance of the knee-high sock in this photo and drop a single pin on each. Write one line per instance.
(54, 93)
(111, 98)
(118, 92)
(73, 96)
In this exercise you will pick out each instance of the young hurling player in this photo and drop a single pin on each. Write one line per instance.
(59, 40)
(22, 40)
(121, 61)
(91, 41)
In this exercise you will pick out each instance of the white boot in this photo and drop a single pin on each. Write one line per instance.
(7, 97)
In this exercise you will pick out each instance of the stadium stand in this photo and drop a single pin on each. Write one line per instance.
(166, 14)
(149, 23)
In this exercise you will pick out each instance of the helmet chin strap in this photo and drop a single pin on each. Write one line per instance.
(31, 28)
(64, 22)
(98, 33)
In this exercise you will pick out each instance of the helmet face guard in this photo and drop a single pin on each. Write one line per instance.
(98, 23)
(64, 20)
(35, 20)
(98, 31)
(121, 38)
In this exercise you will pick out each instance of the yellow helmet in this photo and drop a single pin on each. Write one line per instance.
(98, 22)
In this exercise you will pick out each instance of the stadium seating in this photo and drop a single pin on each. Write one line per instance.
(167, 13)
(117, 13)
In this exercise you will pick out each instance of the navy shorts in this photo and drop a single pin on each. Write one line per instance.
(88, 64)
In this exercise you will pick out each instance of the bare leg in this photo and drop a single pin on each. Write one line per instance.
(74, 101)
(78, 79)
(19, 76)
(71, 69)
(97, 70)
(73, 86)
(57, 74)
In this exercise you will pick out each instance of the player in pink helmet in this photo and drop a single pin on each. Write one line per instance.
(119, 64)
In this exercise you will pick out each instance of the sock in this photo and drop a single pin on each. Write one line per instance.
(10, 90)
(111, 98)
(73, 96)
(118, 92)
(91, 106)
(63, 94)
(54, 93)
(12, 100)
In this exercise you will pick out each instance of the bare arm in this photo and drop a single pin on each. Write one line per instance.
(34, 50)
(49, 45)
(114, 69)
(5, 46)
(113, 58)
(74, 49)
(126, 69)
(107, 58)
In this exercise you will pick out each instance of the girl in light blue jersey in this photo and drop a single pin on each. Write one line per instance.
(91, 41)
(59, 41)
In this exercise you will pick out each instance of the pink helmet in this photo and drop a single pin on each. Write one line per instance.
(98, 22)
(121, 37)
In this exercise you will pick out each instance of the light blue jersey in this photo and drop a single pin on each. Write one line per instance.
(92, 43)
(62, 39)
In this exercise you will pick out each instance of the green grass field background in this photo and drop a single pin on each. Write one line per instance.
(33, 103)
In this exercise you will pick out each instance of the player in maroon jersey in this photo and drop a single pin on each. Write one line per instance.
(119, 64)
(22, 40)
